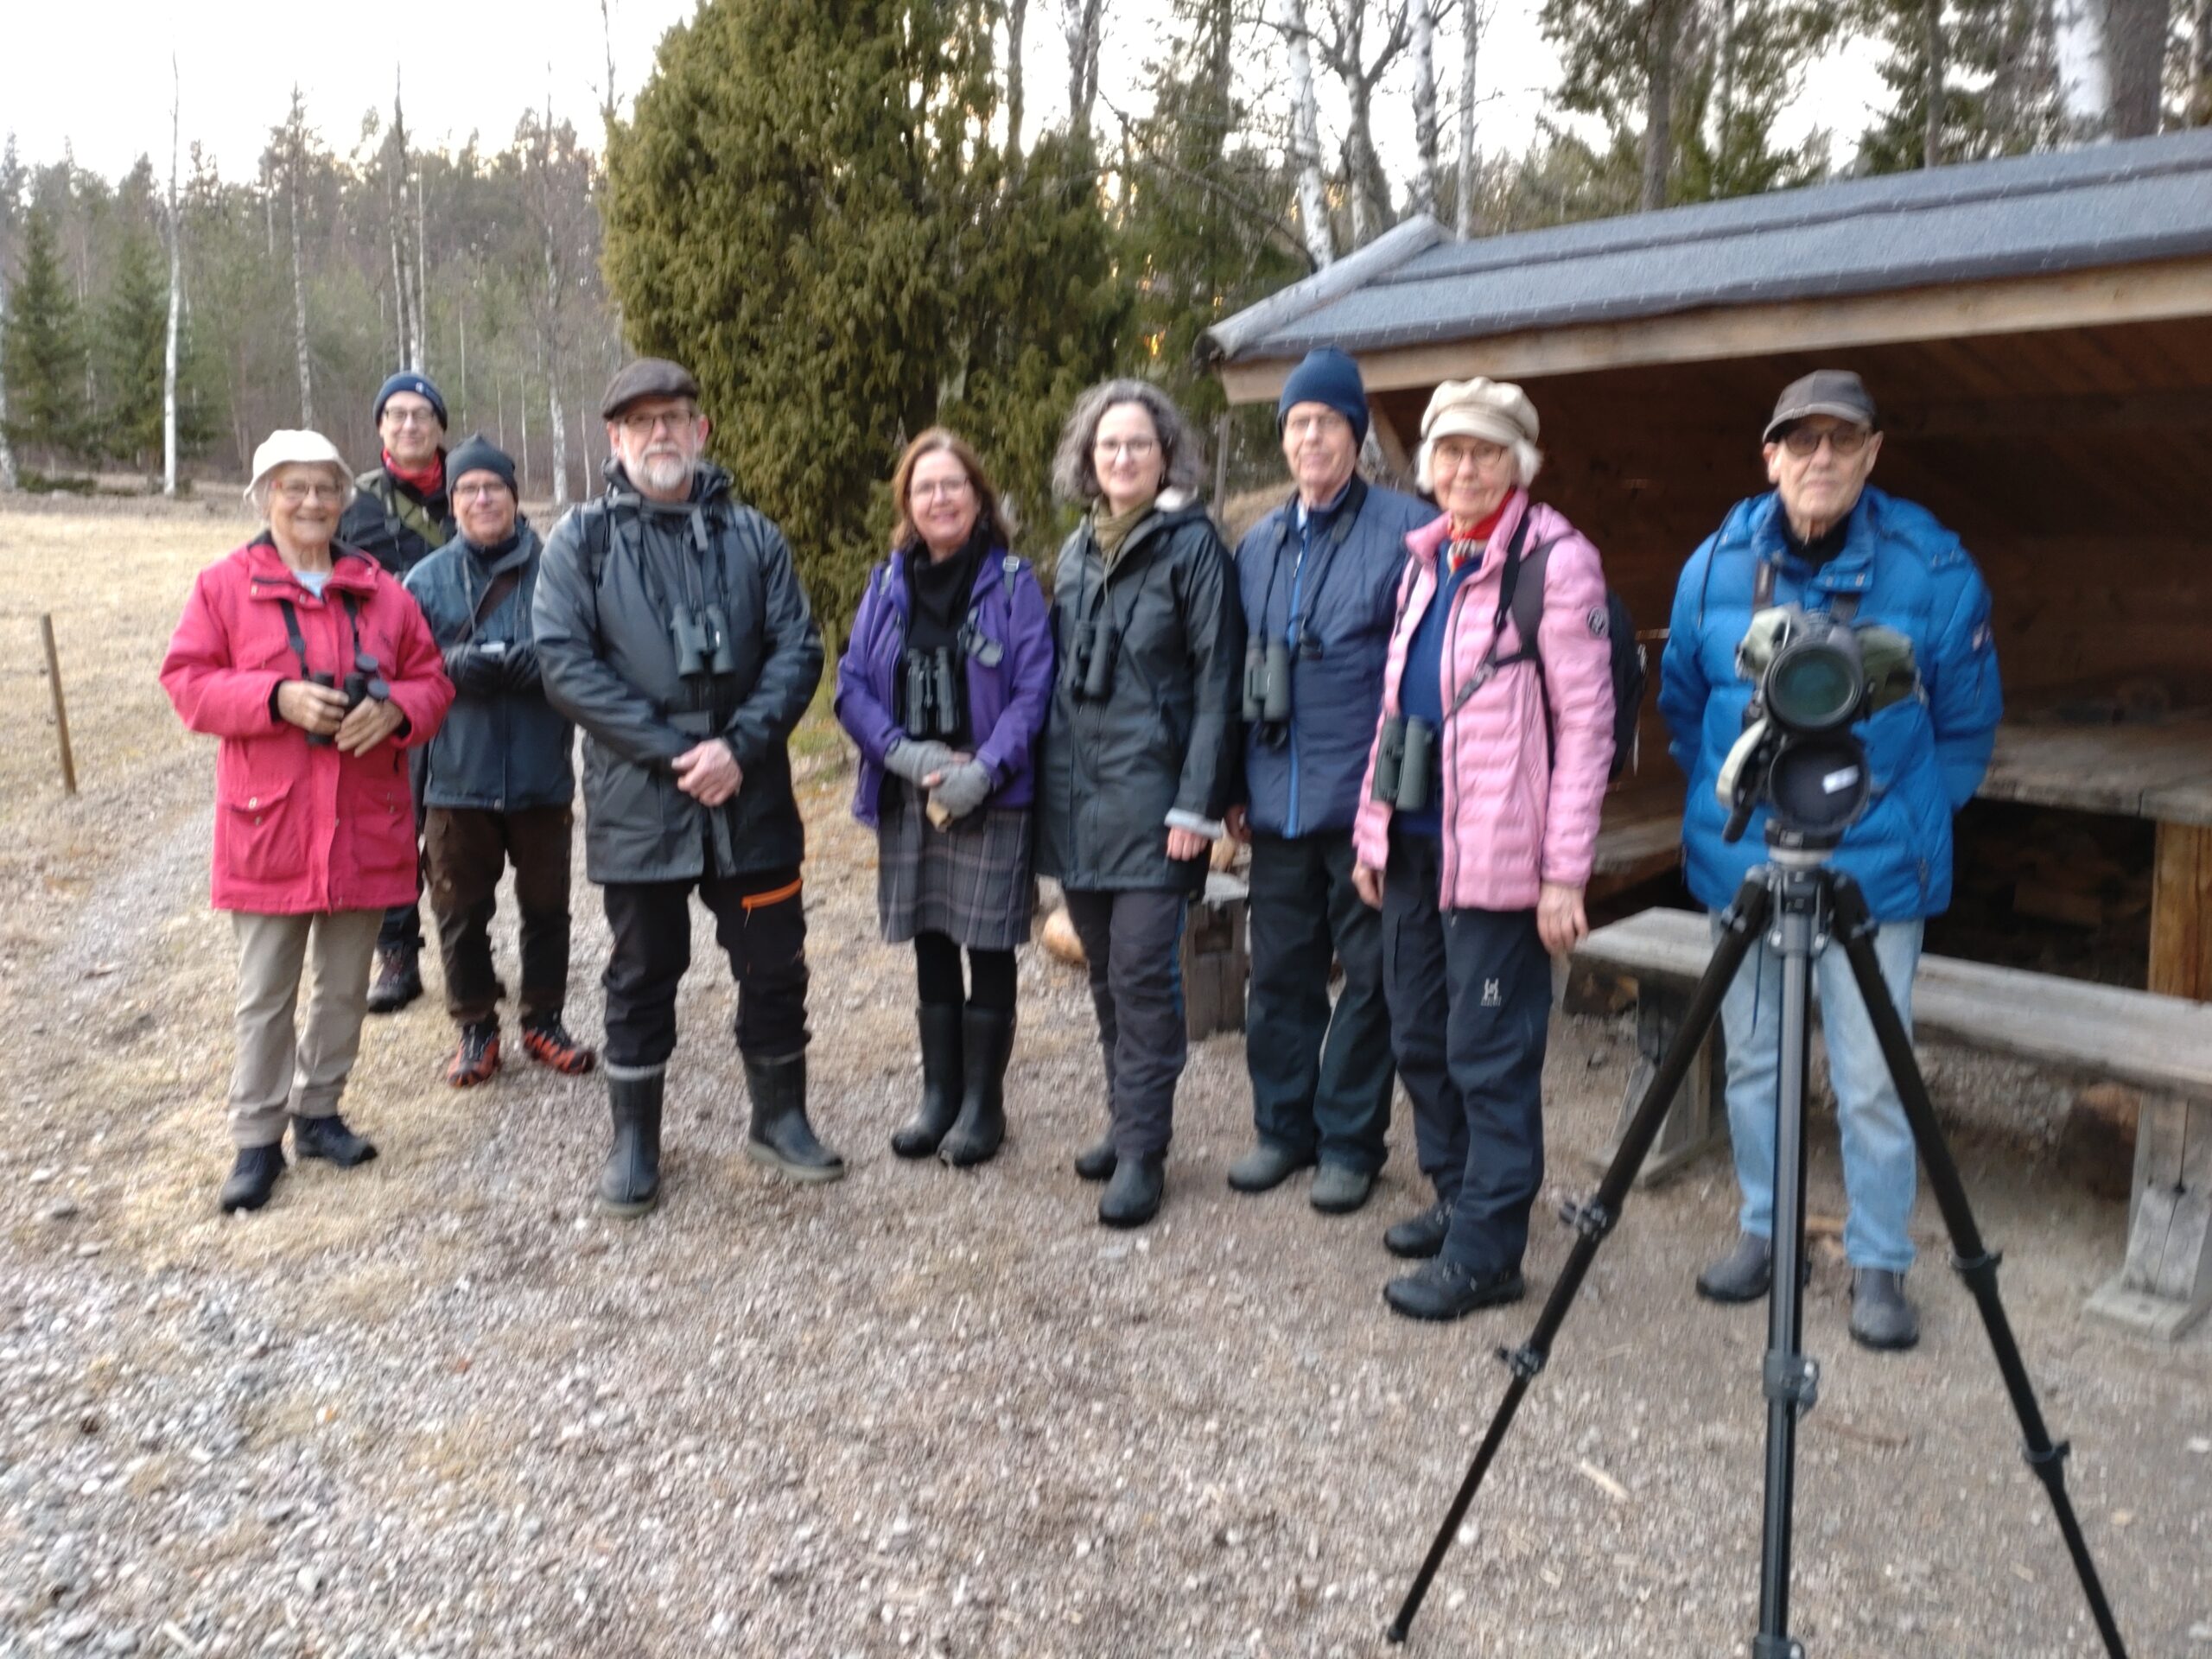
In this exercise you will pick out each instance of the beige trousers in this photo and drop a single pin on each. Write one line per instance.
(276, 1069)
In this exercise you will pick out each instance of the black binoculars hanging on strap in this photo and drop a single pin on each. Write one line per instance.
(703, 646)
(1267, 683)
(1090, 663)
(932, 700)
(364, 682)
(1404, 758)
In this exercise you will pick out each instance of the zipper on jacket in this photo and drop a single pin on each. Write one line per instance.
(1450, 824)
(1290, 636)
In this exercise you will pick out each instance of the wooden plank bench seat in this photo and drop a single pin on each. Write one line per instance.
(2161, 1045)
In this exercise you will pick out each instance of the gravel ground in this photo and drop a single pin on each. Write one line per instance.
(436, 1406)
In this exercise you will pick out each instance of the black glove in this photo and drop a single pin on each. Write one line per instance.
(519, 672)
(471, 670)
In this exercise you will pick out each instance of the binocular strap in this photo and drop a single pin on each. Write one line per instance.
(1842, 607)
(299, 642)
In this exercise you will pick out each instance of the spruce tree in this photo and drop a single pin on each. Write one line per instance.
(805, 211)
(42, 353)
(130, 357)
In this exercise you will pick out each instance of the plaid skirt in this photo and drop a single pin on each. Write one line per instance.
(971, 882)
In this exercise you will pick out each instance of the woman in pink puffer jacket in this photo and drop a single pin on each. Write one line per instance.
(1478, 855)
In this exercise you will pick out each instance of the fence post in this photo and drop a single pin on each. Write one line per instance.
(60, 708)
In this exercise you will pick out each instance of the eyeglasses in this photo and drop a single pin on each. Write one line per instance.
(393, 416)
(943, 489)
(642, 427)
(294, 492)
(1467, 452)
(478, 491)
(1805, 441)
(1135, 448)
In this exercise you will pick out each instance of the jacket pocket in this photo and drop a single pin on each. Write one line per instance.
(262, 837)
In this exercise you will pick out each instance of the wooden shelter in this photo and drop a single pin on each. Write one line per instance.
(2037, 333)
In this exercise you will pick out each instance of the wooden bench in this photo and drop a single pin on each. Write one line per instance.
(2160, 1044)
(1217, 962)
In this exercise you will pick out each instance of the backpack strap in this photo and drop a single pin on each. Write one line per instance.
(1524, 607)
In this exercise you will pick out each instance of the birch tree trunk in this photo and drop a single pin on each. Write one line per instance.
(1424, 47)
(1469, 45)
(7, 455)
(2200, 58)
(1084, 20)
(1305, 137)
(1931, 146)
(1017, 18)
(2135, 56)
(422, 282)
(177, 288)
(1665, 27)
(300, 294)
(2084, 83)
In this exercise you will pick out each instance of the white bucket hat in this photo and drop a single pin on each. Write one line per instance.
(1496, 411)
(287, 447)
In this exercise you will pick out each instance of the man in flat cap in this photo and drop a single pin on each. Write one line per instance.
(1824, 540)
(399, 515)
(671, 626)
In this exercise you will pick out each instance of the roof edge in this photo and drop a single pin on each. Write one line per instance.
(1386, 253)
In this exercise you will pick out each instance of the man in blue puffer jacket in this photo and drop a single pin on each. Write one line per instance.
(1318, 577)
(1826, 541)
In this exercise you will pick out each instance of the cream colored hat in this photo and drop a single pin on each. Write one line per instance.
(287, 447)
(1495, 410)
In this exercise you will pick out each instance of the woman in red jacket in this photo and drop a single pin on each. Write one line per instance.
(315, 669)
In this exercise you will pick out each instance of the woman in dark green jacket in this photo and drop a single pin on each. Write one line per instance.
(1139, 753)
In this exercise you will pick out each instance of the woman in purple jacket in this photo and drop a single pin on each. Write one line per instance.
(944, 687)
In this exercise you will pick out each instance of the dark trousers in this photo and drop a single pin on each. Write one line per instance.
(1321, 1079)
(1132, 942)
(936, 975)
(403, 924)
(1470, 994)
(760, 924)
(467, 848)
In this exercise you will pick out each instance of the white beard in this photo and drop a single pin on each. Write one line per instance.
(665, 473)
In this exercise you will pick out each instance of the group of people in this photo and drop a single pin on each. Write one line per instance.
(1404, 704)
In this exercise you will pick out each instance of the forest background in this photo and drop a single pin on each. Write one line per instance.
(855, 217)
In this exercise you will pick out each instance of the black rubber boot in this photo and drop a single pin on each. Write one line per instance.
(1742, 1275)
(253, 1177)
(941, 1080)
(1133, 1196)
(1096, 1163)
(328, 1139)
(988, 1037)
(781, 1138)
(629, 1182)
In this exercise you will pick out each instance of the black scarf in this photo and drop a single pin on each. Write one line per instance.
(937, 590)
(1823, 547)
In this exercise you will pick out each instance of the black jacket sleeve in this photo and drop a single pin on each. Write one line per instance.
(578, 683)
(790, 665)
(1214, 623)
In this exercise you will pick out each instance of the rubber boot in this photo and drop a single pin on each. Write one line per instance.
(780, 1137)
(941, 1077)
(988, 1038)
(629, 1182)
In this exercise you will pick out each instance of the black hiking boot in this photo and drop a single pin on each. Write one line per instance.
(1419, 1238)
(988, 1037)
(629, 1182)
(398, 979)
(1742, 1275)
(1442, 1289)
(780, 1137)
(253, 1177)
(328, 1139)
(920, 1136)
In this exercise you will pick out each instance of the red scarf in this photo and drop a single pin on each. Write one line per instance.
(429, 483)
(1469, 544)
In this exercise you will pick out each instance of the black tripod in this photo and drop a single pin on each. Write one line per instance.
(1803, 899)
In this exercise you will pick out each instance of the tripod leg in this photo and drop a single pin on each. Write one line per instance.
(1741, 925)
(1976, 1262)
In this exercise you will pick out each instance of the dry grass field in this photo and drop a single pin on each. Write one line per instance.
(437, 1406)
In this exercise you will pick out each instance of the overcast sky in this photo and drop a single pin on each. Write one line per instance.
(93, 75)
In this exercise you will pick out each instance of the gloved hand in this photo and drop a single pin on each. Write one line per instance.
(472, 670)
(518, 670)
(963, 790)
(914, 759)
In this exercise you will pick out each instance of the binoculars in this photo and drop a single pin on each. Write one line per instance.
(1090, 663)
(1403, 759)
(932, 695)
(702, 644)
(1267, 683)
(363, 682)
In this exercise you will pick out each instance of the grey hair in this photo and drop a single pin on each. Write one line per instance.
(347, 489)
(1074, 476)
(1528, 461)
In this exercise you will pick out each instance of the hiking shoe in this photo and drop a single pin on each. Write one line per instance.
(547, 1041)
(1339, 1188)
(477, 1056)
(398, 980)
(1133, 1196)
(1418, 1238)
(1743, 1274)
(1266, 1167)
(252, 1177)
(1443, 1290)
(1880, 1317)
(328, 1139)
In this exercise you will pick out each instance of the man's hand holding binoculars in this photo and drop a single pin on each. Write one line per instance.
(708, 772)
(318, 711)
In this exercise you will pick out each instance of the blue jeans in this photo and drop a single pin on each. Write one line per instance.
(1880, 1165)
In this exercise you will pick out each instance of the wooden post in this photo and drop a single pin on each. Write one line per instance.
(2181, 913)
(60, 708)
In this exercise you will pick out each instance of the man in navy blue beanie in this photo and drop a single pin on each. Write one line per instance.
(1318, 578)
(400, 514)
